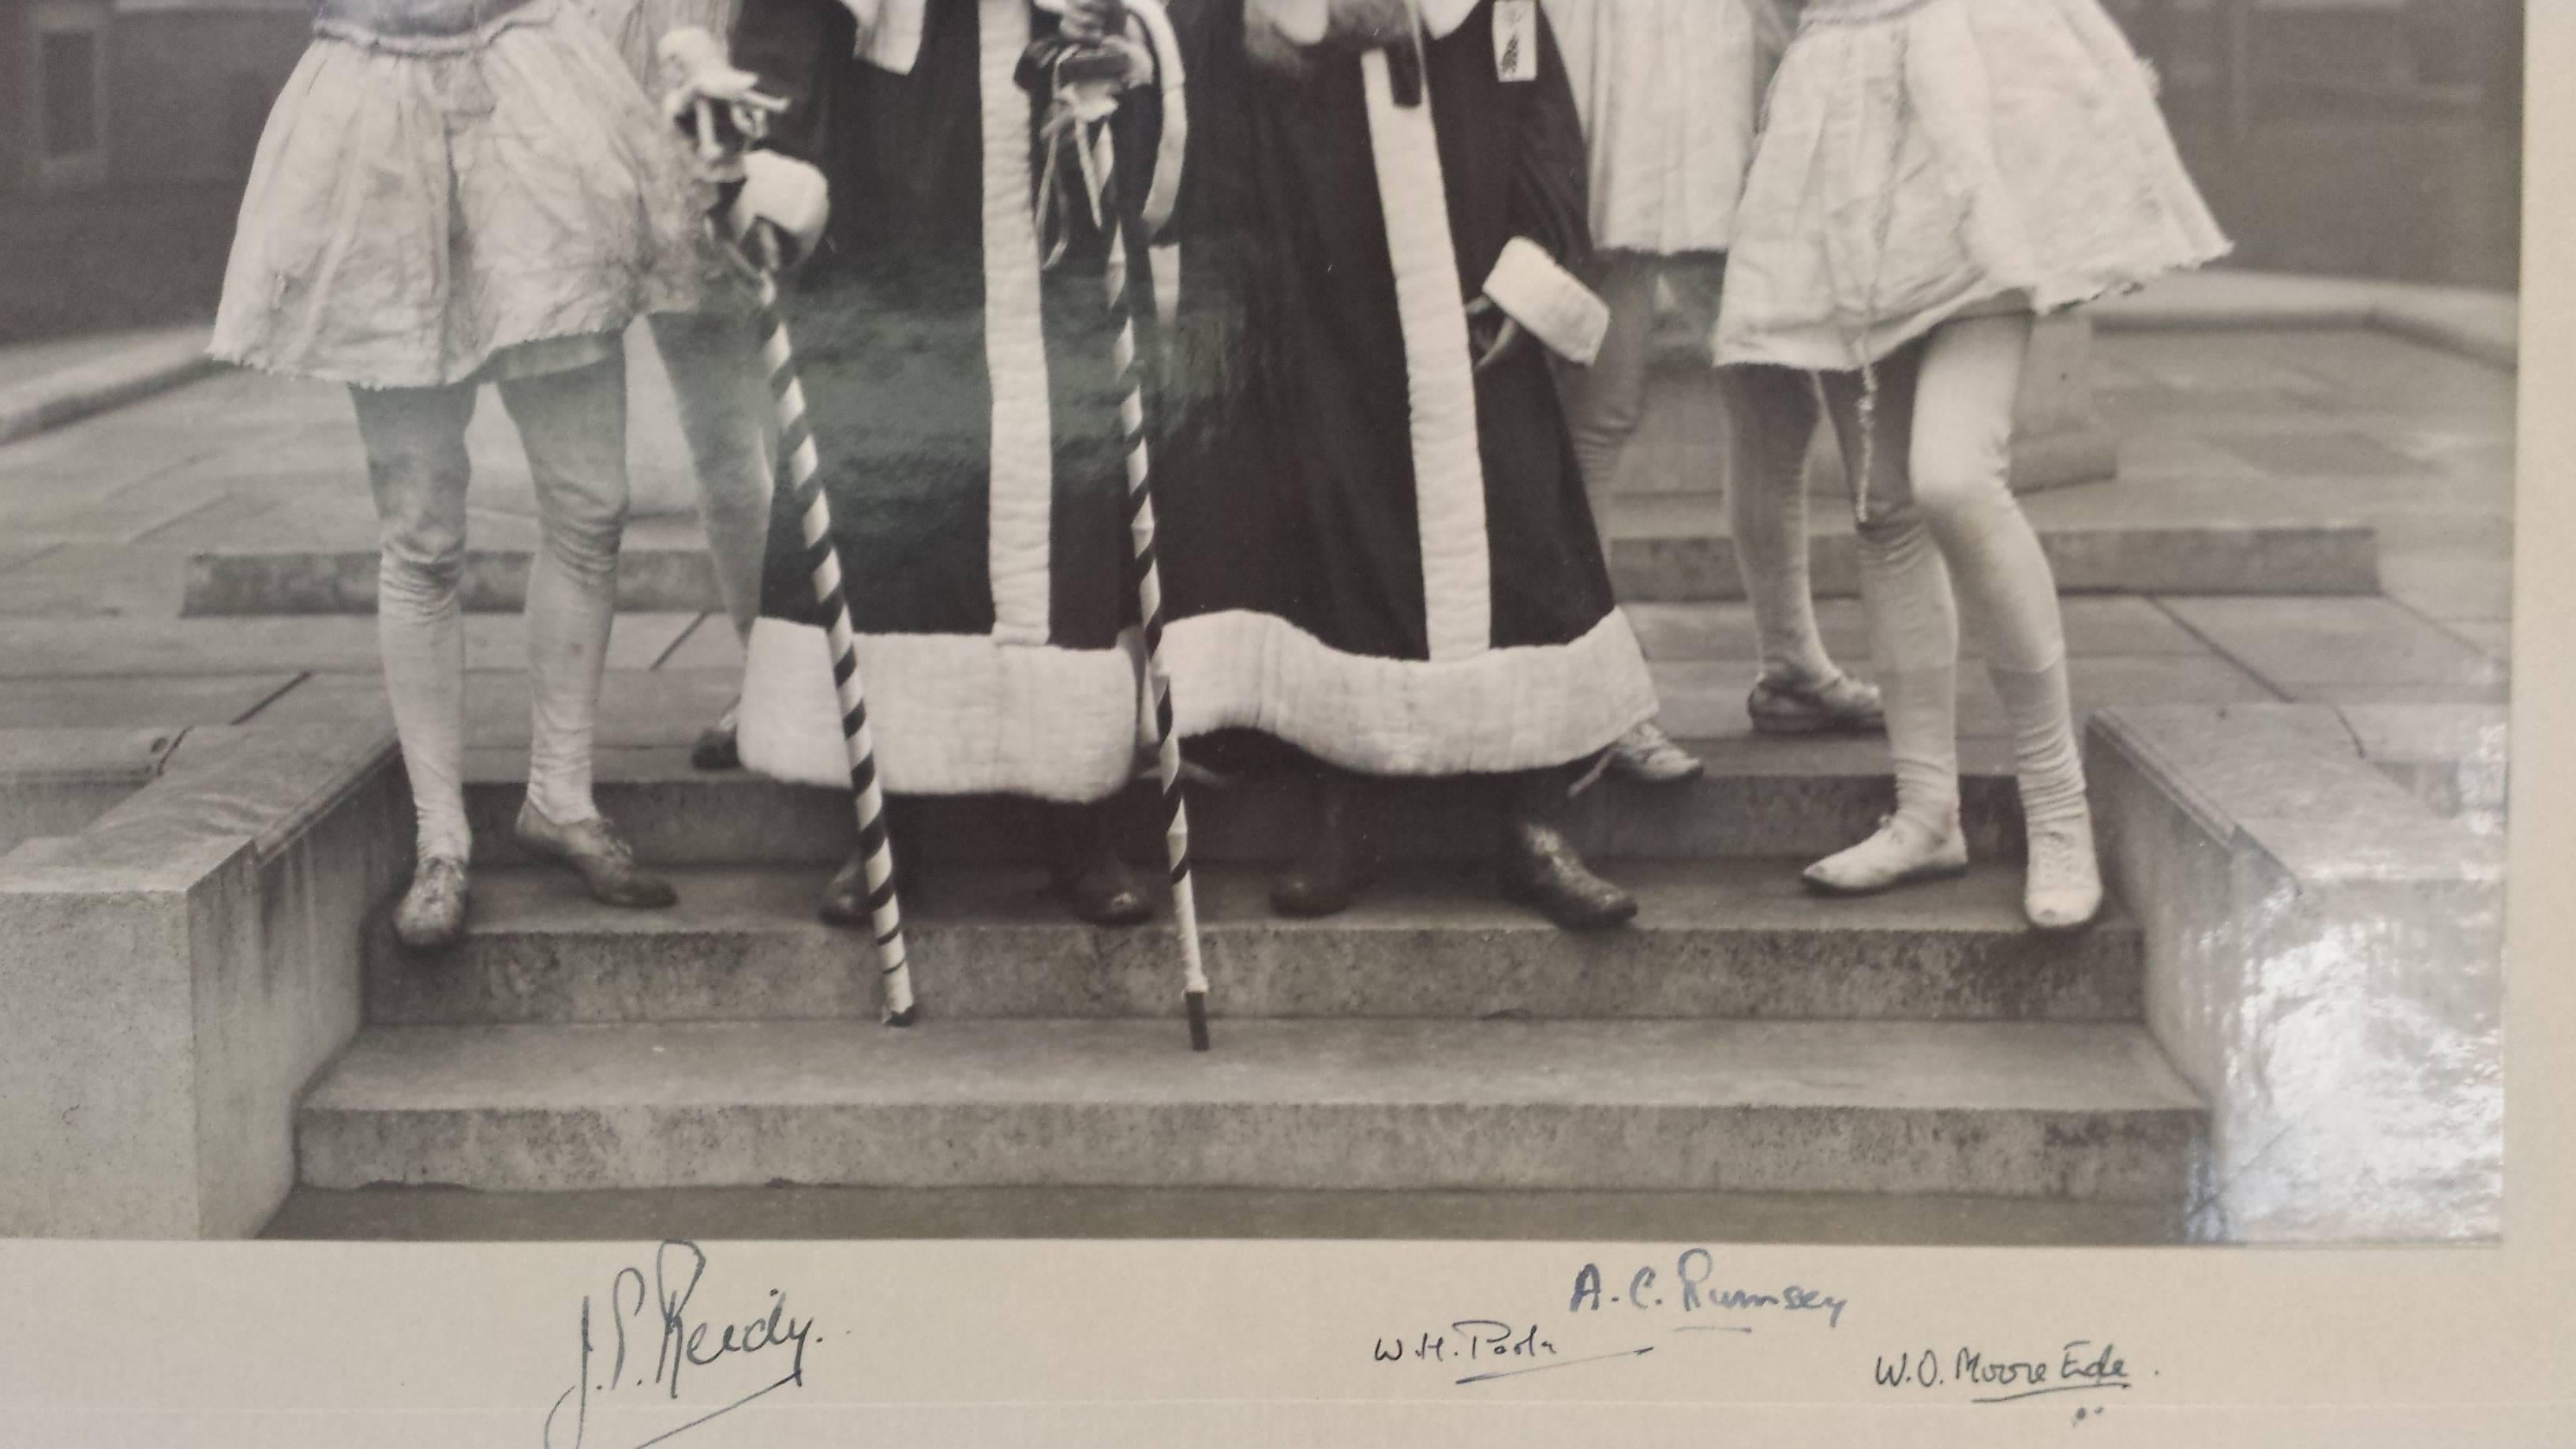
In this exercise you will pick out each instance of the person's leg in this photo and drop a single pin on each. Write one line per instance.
(1771, 414)
(1914, 641)
(417, 470)
(573, 425)
(1604, 402)
(1342, 851)
(1089, 873)
(1960, 464)
(714, 364)
(1603, 405)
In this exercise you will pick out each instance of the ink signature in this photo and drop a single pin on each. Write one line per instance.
(1689, 1292)
(2080, 1366)
(680, 1344)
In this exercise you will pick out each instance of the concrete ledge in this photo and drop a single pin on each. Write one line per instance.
(55, 781)
(150, 366)
(2324, 963)
(179, 970)
(2482, 325)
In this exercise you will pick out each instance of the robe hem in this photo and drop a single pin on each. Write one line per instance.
(1525, 707)
(952, 714)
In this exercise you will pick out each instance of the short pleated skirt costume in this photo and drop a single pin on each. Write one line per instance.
(1923, 160)
(447, 188)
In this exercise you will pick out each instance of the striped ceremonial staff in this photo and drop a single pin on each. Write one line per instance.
(1149, 592)
(695, 65)
(798, 468)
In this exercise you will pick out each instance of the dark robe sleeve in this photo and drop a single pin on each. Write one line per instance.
(798, 48)
(1549, 201)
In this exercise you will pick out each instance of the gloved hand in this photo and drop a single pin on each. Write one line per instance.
(778, 214)
(1087, 22)
(707, 98)
(1491, 332)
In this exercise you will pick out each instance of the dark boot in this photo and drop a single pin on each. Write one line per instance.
(1341, 855)
(1089, 875)
(1540, 867)
(845, 899)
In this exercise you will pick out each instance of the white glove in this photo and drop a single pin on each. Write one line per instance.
(788, 195)
(699, 80)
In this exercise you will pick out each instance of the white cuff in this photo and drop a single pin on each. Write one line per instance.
(786, 193)
(1547, 300)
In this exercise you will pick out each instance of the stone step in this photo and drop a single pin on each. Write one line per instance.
(1676, 550)
(1660, 548)
(1760, 797)
(792, 1214)
(2059, 1110)
(1734, 939)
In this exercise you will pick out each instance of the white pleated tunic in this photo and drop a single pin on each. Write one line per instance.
(1669, 92)
(1926, 159)
(428, 208)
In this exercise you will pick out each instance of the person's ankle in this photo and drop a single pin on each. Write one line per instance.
(559, 810)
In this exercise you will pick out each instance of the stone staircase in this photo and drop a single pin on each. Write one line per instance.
(1742, 1041)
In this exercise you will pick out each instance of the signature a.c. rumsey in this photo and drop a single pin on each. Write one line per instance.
(612, 1356)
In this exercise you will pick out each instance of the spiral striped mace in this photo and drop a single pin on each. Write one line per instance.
(1149, 591)
(799, 469)
(694, 63)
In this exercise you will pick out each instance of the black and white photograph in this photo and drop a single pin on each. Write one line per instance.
(1722, 622)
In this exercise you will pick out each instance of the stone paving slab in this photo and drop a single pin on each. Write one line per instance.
(2452, 579)
(2094, 625)
(1706, 698)
(40, 648)
(95, 580)
(2297, 642)
(133, 700)
(636, 708)
(2367, 693)
(127, 515)
(2469, 321)
(2494, 637)
(711, 644)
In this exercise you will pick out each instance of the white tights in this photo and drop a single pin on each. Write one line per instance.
(573, 425)
(1939, 507)
(1768, 425)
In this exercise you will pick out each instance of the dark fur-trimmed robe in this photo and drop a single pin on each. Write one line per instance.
(1369, 550)
(963, 408)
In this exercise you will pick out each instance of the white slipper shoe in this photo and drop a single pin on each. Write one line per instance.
(2063, 891)
(1903, 851)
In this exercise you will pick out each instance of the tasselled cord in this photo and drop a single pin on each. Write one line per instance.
(1858, 339)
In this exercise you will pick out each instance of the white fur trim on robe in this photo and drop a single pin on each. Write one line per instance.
(1545, 298)
(1504, 710)
(953, 714)
(1448, 464)
(889, 32)
(1022, 510)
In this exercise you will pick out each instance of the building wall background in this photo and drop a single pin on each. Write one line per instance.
(2367, 138)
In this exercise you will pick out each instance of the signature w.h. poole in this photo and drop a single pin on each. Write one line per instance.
(660, 1312)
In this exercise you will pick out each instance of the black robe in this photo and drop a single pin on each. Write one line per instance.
(963, 407)
(1370, 551)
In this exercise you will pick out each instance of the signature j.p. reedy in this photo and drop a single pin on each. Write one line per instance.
(645, 1338)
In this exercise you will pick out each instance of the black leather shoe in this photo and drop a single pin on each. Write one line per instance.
(1090, 876)
(596, 853)
(1341, 856)
(845, 899)
(1541, 868)
(719, 745)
